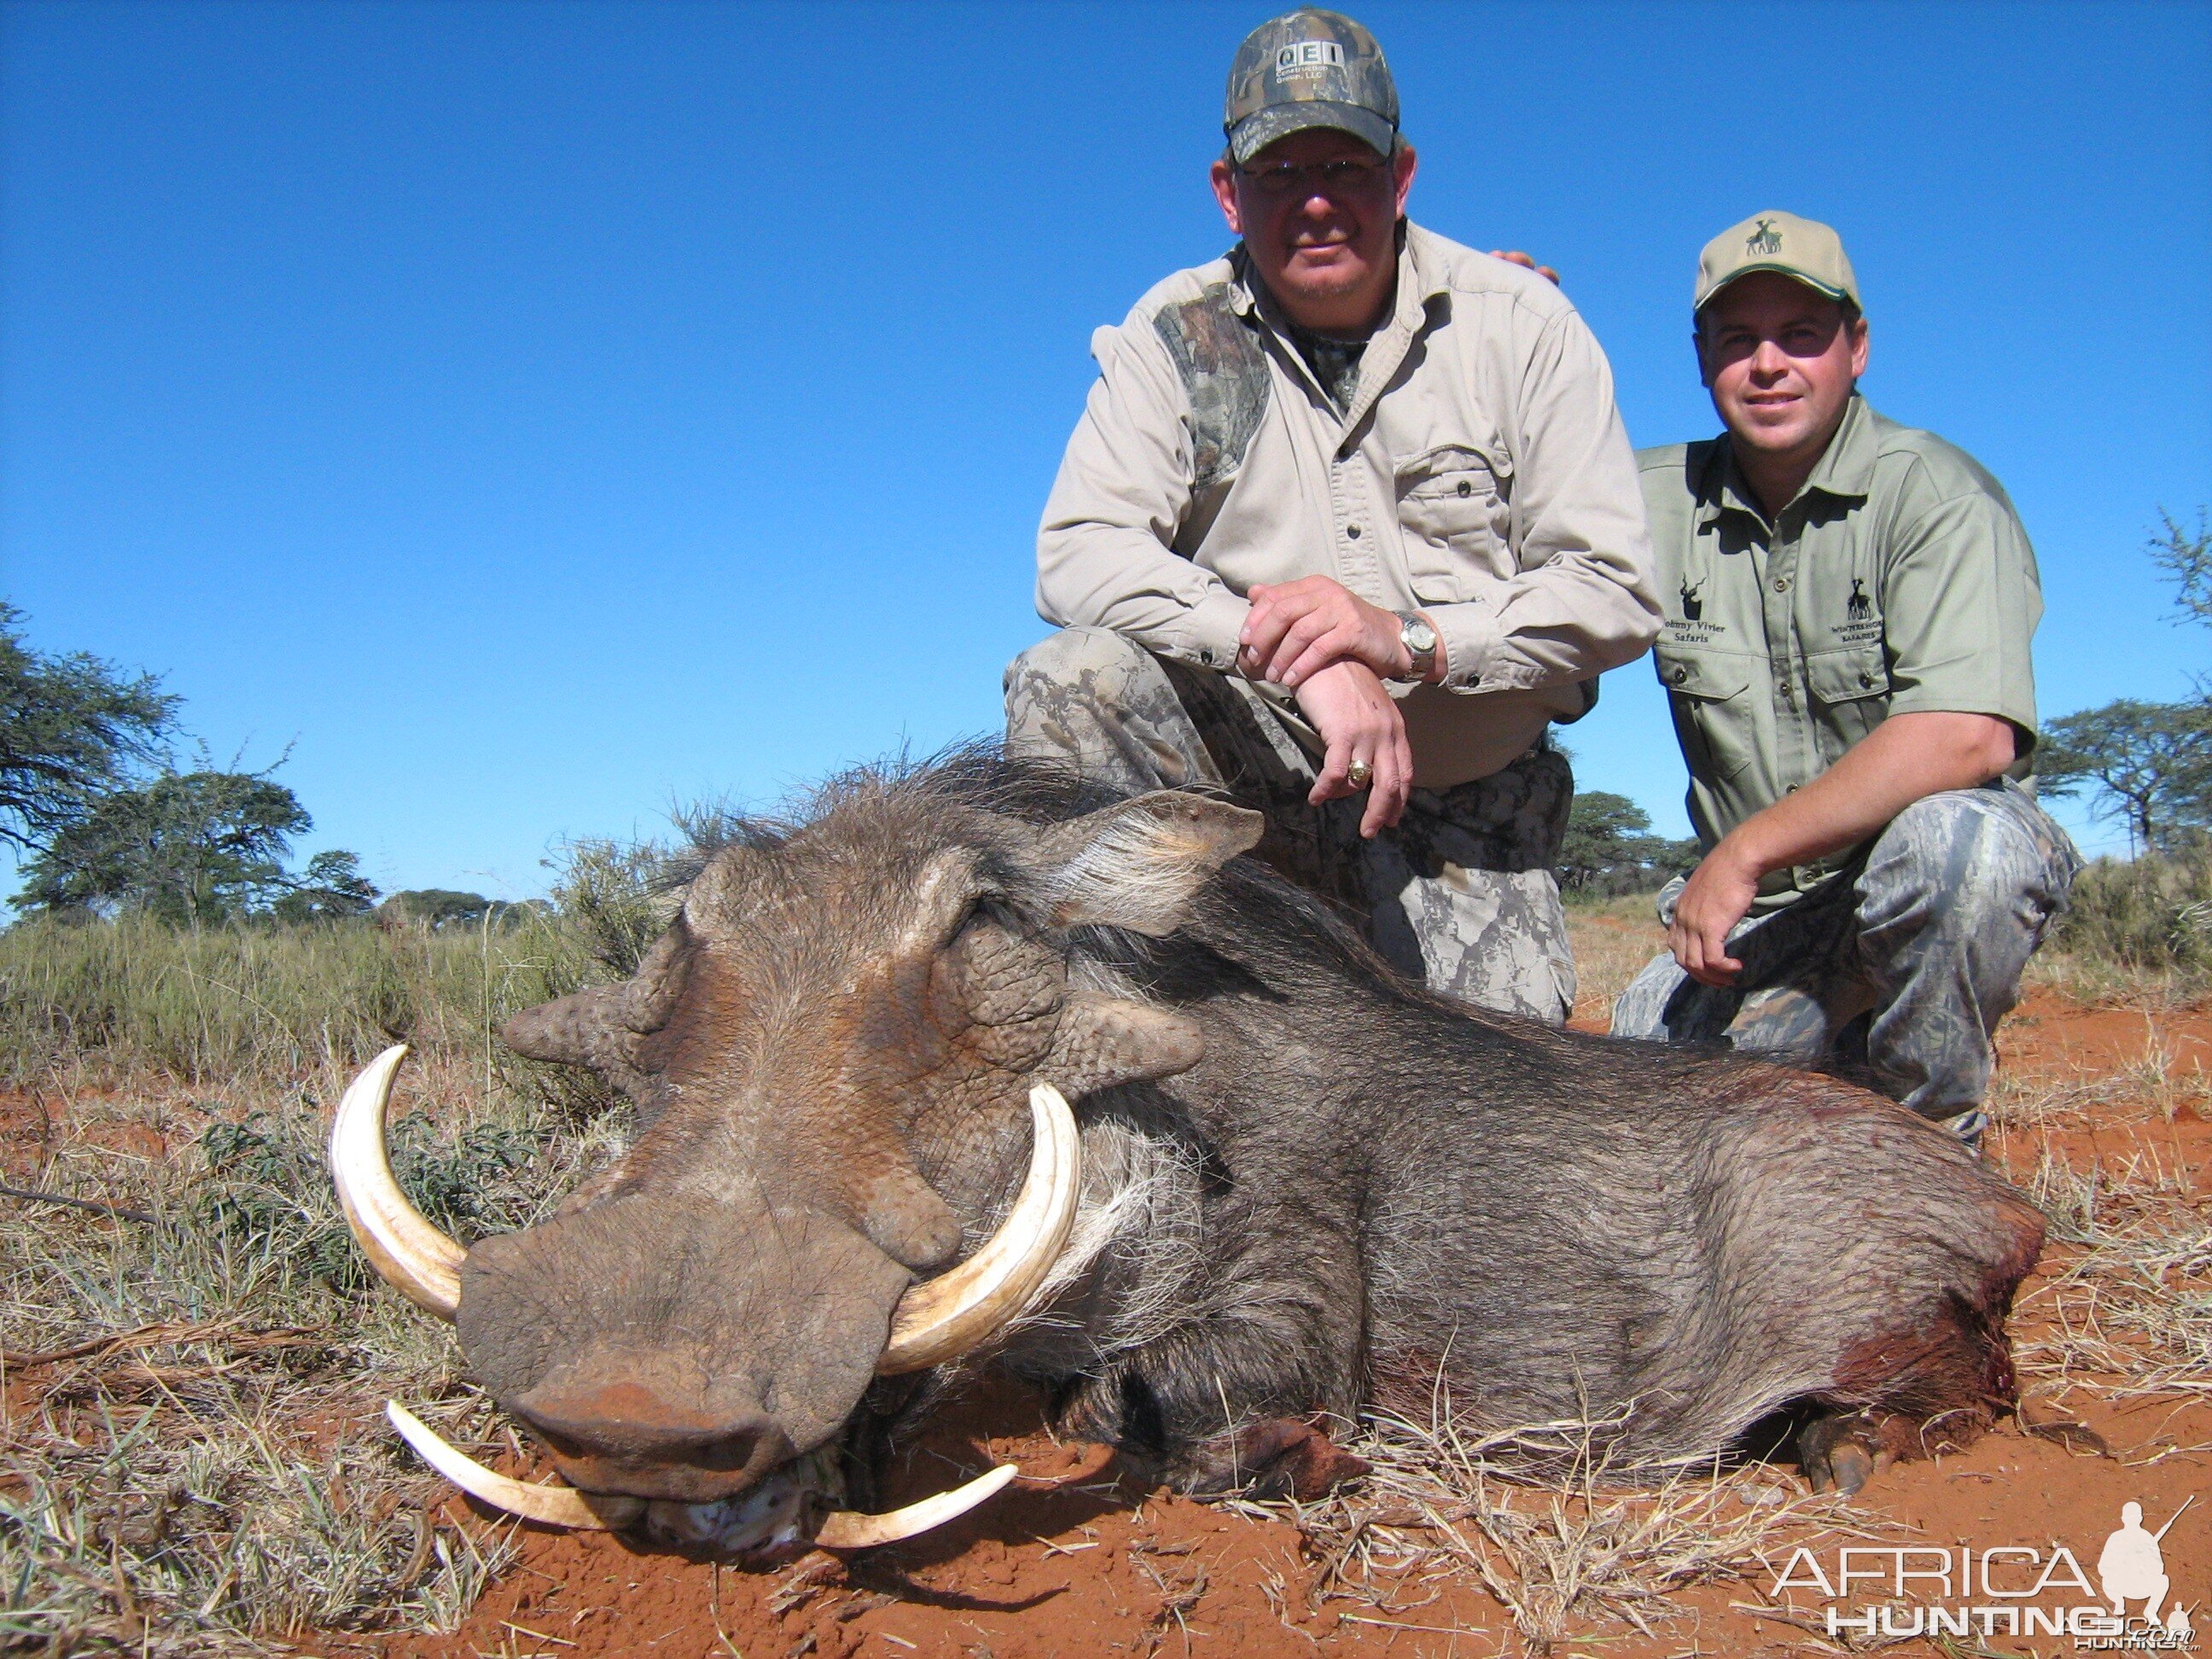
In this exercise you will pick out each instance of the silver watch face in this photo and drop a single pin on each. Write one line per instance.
(1418, 637)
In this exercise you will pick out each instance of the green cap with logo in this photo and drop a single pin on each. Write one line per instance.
(1804, 249)
(1309, 69)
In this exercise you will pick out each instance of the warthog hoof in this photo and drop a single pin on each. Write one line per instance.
(1837, 1453)
(1276, 1457)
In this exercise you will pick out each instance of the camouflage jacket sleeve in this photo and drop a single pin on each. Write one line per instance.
(1581, 598)
(1106, 550)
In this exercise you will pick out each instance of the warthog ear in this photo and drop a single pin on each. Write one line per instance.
(1104, 1040)
(1138, 864)
(584, 1028)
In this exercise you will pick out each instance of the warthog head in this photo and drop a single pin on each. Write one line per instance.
(835, 1049)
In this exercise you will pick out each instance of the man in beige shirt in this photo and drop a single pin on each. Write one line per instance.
(1850, 603)
(1349, 519)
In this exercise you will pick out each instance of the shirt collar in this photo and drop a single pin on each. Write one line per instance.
(1421, 278)
(1845, 468)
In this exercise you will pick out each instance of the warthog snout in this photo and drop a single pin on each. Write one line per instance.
(651, 1434)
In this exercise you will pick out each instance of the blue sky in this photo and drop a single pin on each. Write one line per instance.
(536, 414)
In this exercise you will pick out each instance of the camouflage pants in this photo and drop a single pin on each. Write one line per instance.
(1899, 966)
(1462, 892)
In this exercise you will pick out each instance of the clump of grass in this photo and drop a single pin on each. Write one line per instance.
(191, 1453)
(2135, 930)
(2131, 1314)
(1603, 1545)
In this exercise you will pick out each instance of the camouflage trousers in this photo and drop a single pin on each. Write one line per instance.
(1898, 968)
(1461, 893)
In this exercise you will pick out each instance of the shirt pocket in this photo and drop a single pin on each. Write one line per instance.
(1713, 718)
(1452, 516)
(1852, 688)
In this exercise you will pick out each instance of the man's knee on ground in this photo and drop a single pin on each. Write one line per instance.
(1958, 852)
(1065, 657)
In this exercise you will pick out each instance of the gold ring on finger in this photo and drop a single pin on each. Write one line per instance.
(1359, 774)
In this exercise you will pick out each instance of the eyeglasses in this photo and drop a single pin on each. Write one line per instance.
(1323, 177)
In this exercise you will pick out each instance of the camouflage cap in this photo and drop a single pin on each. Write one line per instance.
(1804, 249)
(1309, 69)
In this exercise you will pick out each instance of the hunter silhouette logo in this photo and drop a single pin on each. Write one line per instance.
(1859, 605)
(1763, 239)
(1692, 607)
(2132, 1567)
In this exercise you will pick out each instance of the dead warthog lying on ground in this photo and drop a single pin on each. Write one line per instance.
(1290, 1184)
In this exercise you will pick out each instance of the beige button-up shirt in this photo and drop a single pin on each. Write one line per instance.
(1900, 579)
(1479, 474)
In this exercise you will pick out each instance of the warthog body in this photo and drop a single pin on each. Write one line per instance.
(1309, 1185)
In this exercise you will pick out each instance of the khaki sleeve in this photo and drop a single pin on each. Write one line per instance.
(1583, 600)
(1960, 602)
(1105, 550)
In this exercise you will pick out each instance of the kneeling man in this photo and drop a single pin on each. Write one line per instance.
(1349, 519)
(1849, 605)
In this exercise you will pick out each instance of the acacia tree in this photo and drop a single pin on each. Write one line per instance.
(71, 728)
(2148, 763)
(188, 847)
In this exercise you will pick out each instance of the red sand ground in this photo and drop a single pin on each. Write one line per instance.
(1090, 1568)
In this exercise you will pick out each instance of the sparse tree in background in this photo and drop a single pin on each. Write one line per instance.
(432, 908)
(71, 729)
(2148, 763)
(330, 889)
(2188, 559)
(1609, 847)
(189, 848)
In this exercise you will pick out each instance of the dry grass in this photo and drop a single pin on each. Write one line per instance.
(193, 1357)
(1613, 938)
(1605, 1547)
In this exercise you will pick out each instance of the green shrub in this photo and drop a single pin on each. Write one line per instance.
(2151, 912)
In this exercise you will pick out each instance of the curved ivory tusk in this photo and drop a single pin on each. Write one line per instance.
(557, 1506)
(410, 1255)
(564, 1506)
(958, 1311)
(847, 1530)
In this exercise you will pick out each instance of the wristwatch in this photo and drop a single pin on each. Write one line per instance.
(1421, 642)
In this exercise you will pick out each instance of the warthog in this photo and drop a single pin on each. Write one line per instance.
(1304, 1186)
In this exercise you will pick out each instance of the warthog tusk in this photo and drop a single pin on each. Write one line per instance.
(410, 1255)
(958, 1311)
(847, 1530)
(557, 1506)
(565, 1506)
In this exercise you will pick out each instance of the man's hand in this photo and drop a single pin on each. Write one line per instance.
(1297, 628)
(1517, 257)
(1906, 757)
(1359, 721)
(1716, 898)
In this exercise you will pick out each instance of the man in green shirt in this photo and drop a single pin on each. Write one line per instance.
(1849, 604)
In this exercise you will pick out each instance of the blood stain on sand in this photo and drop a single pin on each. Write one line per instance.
(1097, 1566)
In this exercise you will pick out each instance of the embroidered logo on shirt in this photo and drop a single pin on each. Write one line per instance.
(1858, 606)
(1693, 608)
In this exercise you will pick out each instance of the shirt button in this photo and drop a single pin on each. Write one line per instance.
(1865, 678)
(1680, 674)
(1472, 681)
(1352, 531)
(1465, 487)
(1205, 656)
(1782, 584)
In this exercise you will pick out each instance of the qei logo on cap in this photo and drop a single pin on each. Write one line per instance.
(1302, 59)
